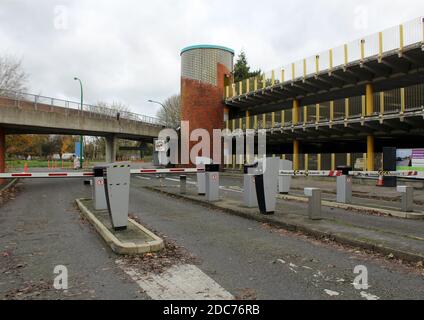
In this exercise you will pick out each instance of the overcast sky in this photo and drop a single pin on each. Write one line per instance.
(129, 50)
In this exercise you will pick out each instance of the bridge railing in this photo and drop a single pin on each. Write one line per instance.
(43, 103)
(375, 45)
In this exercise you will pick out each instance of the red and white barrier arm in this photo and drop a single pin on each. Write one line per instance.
(13, 175)
(311, 173)
(172, 170)
(387, 174)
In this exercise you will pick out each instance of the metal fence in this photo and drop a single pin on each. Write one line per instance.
(39, 102)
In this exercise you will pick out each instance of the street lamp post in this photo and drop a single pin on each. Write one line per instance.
(82, 109)
(164, 108)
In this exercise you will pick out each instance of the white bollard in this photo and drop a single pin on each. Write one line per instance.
(407, 200)
(314, 203)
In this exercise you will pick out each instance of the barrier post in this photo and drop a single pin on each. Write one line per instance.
(266, 179)
(249, 194)
(99, 194)
(117, 187)
(284, 182)
(407, 198)
(212, 182)
(314, 203)
(344, 185)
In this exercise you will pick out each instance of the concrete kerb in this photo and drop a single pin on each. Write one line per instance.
(117, 246)
(10, 184)
(307, 230)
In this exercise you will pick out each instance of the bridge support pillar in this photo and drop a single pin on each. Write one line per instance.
(110, 149)
(370, 153)
(295, 155)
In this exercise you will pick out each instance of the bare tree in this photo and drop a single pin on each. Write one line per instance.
(12, 76)
(170, 114)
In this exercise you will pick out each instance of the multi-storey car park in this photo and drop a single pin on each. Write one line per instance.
(341, 106)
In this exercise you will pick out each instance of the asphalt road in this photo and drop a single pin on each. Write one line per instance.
(40, 229)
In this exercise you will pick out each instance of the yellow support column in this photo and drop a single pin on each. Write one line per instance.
(401, 39)
(272, 77)
(346, 55)
(370, 153)
(273, 120)
(247, 85)
(247, 119)
(295, 113)
(255, 84)
(317, 116)
(346, 108)
(295, 155)
(349, 160)
(364, 106)
(306, 162)
(282, 76)
(283, 157)
(331, 60)
(402, 100)
(362, 50)
(333, 161)
(382, 103)
(241, 123)
(317, 64)
(293, 71)
(319, 164)
(369, 96)
(240, 88)
(234, 161)
(264, 121)
(255, 122)
(305, 115)
(283, 120)
(234, 124)
(331, 111)
(380, 46)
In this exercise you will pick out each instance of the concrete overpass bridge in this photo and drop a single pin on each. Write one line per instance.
(355, 98)
(32, 114)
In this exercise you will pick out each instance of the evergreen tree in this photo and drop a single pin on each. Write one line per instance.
(242, 68)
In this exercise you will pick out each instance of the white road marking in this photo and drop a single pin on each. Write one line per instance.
(145, 178)
(180, 282)
(195, 183)
(331, 293)
(369, 296)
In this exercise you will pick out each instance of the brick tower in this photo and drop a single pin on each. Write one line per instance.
(205, 70)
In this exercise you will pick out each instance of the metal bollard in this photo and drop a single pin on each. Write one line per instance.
(407, 201)
(344, 185)
(314, 203)
(266, 180)
(183, 184)
(212, 182)
(117, 186)
(249, 190)
(284, 182)
(99, 194)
